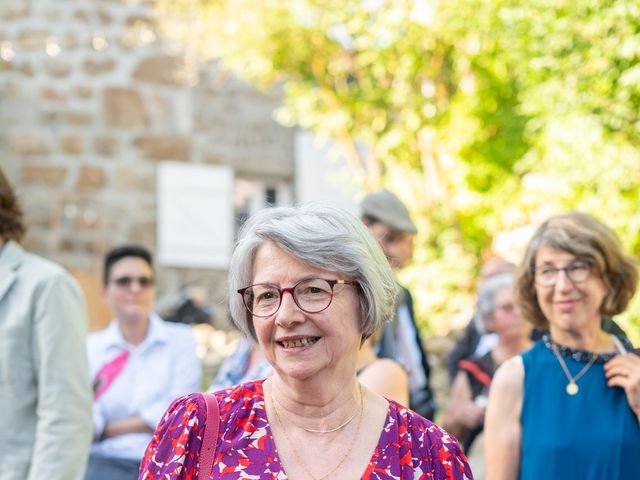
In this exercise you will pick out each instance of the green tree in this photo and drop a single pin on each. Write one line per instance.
(485, 116)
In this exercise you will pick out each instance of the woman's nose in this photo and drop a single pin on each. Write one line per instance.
(562, 281)
(289, 312)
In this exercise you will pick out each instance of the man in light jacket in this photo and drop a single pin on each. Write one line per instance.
(45, 394)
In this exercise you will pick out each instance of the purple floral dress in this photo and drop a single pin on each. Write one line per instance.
(410, 447)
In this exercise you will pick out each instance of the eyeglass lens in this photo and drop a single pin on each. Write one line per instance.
(126, 282)
(576, 272)
(312, 296)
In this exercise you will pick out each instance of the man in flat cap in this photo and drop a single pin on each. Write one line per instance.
(389, 221)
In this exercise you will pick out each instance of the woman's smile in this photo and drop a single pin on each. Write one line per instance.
(298, 342)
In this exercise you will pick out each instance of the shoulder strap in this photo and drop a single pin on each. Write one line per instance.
(475, 370)
(210, 438)
(618, 344)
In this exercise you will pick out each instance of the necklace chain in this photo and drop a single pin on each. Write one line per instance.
(572, 386)
(351, 444)
(331, 430)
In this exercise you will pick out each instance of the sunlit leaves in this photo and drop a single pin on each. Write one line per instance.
(486, 116)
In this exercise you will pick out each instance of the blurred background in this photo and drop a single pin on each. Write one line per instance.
(167, 122)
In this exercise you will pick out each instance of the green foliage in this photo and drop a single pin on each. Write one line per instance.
(486, 116)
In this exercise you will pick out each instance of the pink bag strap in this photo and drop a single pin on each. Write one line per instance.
(108, 374)
(210, 438)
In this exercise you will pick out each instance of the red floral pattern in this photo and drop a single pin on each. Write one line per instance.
(409, 447)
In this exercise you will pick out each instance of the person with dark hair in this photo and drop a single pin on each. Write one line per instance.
(45, 398)
(464, 416)
(309, 284)
(569, 407)
(389, 222)
(138, 365)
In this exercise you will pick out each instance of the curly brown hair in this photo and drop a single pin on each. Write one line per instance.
(11, 220)
(585, 237)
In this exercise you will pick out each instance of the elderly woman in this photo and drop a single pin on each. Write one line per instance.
(570, 406)
(464, 416)
(309, 284)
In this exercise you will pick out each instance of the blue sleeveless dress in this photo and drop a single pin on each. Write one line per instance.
(593, 435)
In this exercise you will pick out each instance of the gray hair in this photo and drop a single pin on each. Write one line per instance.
(320, 236)
(487, 293)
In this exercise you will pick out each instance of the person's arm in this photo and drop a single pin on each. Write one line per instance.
(174, 449)
(624, 371)
(462, 413)
(63, 431)
(387, 378)
(502, 428)
(186, 377)
(126, 425)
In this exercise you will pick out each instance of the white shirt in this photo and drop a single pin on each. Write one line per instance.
(160, 369)
(408, 353)
(486, 343)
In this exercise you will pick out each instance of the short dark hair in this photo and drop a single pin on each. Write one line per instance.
(585, 237)
(118, 253)
(11, 219)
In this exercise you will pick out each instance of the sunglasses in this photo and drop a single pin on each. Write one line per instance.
(126, 282)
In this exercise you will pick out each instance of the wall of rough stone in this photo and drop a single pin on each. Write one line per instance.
(92, 99)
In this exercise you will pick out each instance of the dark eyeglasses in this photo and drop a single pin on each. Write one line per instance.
(126, 282)
(577, 271)
(312, 296)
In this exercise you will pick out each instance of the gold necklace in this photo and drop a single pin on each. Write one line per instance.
(331, 430)
(572, 387)
(295, 451)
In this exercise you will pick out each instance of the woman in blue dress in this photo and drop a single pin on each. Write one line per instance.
(570, 406)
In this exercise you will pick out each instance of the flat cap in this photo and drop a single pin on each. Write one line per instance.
(386, 207)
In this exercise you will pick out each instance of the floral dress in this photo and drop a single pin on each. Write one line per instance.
(410, 447)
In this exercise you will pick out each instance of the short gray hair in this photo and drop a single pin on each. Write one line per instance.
(320, 236)
(487, 293)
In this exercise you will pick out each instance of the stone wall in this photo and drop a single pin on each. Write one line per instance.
(92, 99)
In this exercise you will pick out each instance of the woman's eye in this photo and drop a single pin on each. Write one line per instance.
(266, 296)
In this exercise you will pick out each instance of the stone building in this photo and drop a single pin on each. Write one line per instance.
(92, 102)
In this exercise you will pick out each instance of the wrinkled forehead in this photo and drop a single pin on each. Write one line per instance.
(272, 261)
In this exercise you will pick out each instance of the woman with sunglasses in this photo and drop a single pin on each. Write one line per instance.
(570, 406)
(138, 365)
(309, 284)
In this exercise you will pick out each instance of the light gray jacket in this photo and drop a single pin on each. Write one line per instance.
(45, 394)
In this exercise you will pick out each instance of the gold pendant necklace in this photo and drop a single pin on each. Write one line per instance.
(346, 455)
(572, 387)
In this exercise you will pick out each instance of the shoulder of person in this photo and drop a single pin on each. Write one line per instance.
(180, 329)
(38, 270)
(97, 337)
(431, 443)
(510, 375)
(412, 421)
(387, 366)
(31, 262)
(186, 408)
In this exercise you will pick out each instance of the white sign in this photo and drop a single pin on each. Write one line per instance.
(195, 215)
(323, 175)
